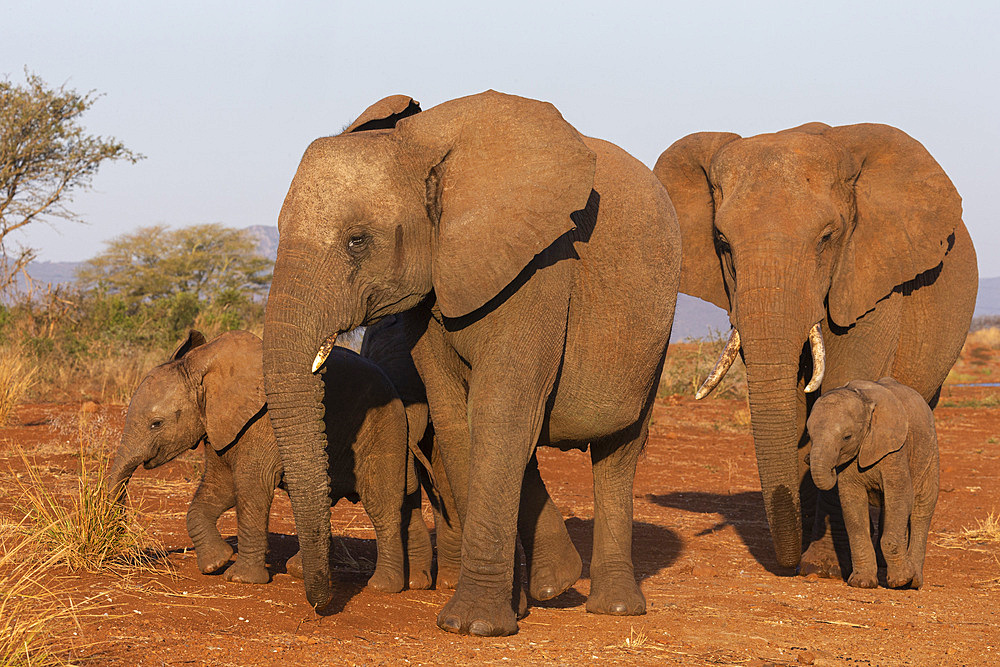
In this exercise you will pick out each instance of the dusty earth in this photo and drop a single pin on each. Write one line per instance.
(702, 551)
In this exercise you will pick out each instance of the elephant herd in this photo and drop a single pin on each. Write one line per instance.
(493, 252)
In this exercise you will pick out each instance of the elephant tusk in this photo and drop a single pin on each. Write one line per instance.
(324, 352)
(725, 360)
(819, 358)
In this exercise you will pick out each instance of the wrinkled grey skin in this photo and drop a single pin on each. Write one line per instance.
(553, 562)
(875, 441)
(213, 393)
(521, 248)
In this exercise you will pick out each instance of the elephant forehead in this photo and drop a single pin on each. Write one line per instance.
(158, 390)
(800, 161)
(839, 405)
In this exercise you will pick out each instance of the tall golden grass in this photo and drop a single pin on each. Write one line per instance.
(86, 530)
(39, 626)
(988, 338)
(17, 375)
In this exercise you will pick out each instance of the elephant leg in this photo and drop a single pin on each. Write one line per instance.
(920, 525)
(418, 543)
(553, 562)
(504, 429)
(613, 589)
(216, 494)
(447, 528)
(898, 504)
(854, 500)
(382, 498)
(255, 492)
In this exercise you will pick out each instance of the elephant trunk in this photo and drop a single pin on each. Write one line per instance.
(292, 335)
(823, 465)
(123, 466)
(773, 334)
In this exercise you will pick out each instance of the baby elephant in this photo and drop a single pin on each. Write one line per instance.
(876, 442)
(213, 393)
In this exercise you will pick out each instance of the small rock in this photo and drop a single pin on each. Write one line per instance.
(89, 407)
(811, 577)
(805, 658)
(703, 571)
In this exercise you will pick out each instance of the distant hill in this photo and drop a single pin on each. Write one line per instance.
(694, 318)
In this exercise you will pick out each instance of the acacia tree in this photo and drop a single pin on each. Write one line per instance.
(204, 261)
(45, 154)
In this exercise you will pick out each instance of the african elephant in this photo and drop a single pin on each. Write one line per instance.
(849, 236)
(875, 441)
(553, 562)
(522, 249)
(213, 393)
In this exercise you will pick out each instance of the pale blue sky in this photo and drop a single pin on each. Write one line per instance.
(223, 97)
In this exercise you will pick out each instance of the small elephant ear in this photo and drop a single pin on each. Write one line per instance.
(888, 430)
(194, 339)
(907, 213)
(503, 174)
(384, 114)
(683, 169)
(232, 384)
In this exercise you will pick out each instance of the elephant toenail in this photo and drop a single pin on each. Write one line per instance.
(619, 609)
(450, 624)
(547, 593)
(480, 629)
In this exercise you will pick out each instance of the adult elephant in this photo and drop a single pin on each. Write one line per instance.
(849, 236)
(528, 249)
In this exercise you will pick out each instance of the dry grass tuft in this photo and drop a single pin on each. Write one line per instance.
(636, 638)
(87, 530)
(689, 363)
(37, 624)
(988, 338)
(986, 533)
(16, 377)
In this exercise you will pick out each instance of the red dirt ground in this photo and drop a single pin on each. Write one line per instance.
(702, 552)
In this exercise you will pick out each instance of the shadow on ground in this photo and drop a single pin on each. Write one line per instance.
(743, 511)
(653, 549)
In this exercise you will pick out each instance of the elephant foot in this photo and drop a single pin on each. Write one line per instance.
(247, 573)
(550, 577)
(820, 559)
(615, 595)
(447, 574)
(918, 580)
(900, 575)
(474, 610)
(293, 566)
(212, 557)
(862, 579)
(386, 580)
(420, 579)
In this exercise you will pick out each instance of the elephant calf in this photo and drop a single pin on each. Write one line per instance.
(876, 441)
(213, 393)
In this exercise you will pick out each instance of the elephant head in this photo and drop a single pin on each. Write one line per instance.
(206, 391)
(809, 226)
(455, 200)
(862, 420)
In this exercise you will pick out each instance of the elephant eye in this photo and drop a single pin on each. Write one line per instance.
(721, 244)
(357, 242)
(155, 424)
(847, 437)
(825, 238)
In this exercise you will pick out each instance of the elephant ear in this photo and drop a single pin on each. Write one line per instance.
(194, 339)
(684, 171)
(232, 385)
(503, 174)
(888, 429)
(384, 114)
(907, 213)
